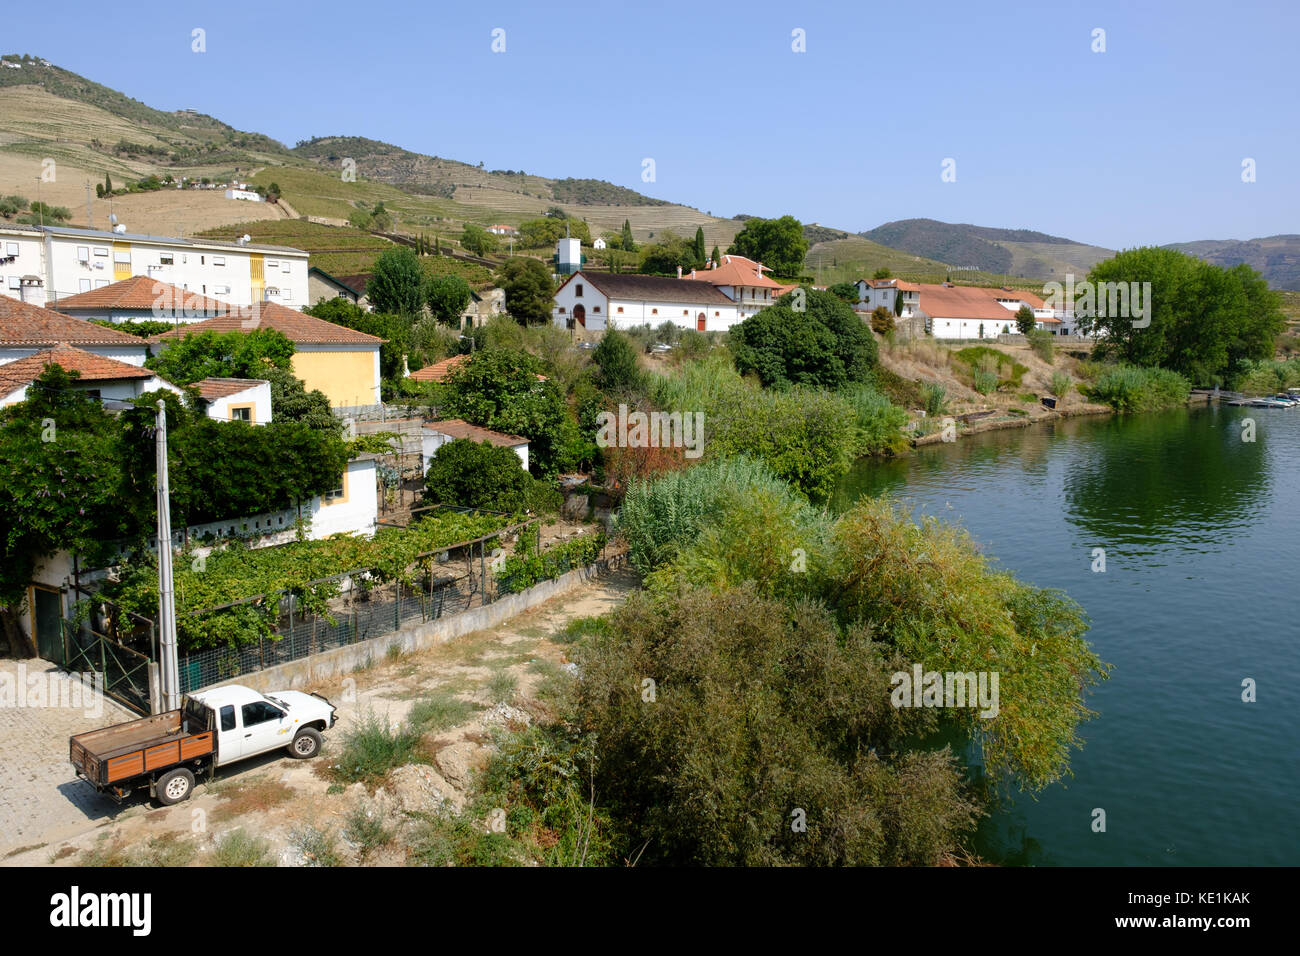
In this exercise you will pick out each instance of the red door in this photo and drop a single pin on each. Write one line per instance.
(699, 322)
(580, 314)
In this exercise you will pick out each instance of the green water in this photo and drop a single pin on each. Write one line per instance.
(1201, 590)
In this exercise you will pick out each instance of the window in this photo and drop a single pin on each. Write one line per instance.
(686, 311)
(11, 248)
(334, 495)
(228, 717)
(100, 283)
(596, 309)
(218, 260)
(83, 285)
(101, 251)
(15, 282)
(83, 253)
(259, 712)
(620, 310)
(272, 264)
(577, 290)
(122, 256)
(166, 259)
(243, 413)
(654, 311)
(561, 310)
(221, 290)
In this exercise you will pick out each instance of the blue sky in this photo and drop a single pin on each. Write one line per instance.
(1140, 144)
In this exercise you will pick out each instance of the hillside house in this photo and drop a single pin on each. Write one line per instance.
(972, 312)
(97, 376)
(877, 293)
(341, 362)
(742, 281)
(598, 300)
(141, 298)
(71, 260)
(322, 287)
(26, 329)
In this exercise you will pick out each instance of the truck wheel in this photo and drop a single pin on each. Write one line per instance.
(306, 744)
(174, 786)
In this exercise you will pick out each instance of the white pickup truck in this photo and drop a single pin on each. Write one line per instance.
(212, 729)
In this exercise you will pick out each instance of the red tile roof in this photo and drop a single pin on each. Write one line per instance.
(297, 326)
(970, 302)
(736, 271)
(633, 286)
(438, 371)
(93, 368)
(141, 293)
(212, 389)
(24, 324)
(457, 428)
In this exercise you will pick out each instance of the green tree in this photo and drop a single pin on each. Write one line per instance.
(700, 254)
(381, 220)
(397, 282)
(629, 244)
(108, 185)
(882, 320)
(200, 355)
(667, 255)
(715, 255)
(481, 475)
(825, 344)
(882, 273)
(478, 240)
(778, 244)
(447, 297)
(529, 289)
(1025, 321)
(618, 372)
(500, 389)
(845, 290)
(1204, 319)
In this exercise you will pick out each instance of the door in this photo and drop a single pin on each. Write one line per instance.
(47, 623)
(699, 322)
(263, 727)
(580, 314)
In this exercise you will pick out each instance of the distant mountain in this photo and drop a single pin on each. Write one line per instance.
(1014, 252)
(1276, 258)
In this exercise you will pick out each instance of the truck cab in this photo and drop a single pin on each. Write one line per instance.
(248, 723)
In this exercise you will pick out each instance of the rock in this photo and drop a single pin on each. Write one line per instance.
(503, 713)
(458, 762)
(416, 788)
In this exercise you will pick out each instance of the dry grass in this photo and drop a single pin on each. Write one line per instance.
(258, 795)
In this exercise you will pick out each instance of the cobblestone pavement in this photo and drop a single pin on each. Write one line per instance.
(40, 798)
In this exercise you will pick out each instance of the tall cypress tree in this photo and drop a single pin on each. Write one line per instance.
(629, 245)
(699, 246)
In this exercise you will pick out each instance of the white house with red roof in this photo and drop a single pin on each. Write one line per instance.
(437, 434)
(886, 293)
(596, 301)
(26, 329)
(97, 376)
(973, 312)
(141, 298)
(742, 281)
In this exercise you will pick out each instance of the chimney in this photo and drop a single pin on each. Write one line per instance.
(679, 272)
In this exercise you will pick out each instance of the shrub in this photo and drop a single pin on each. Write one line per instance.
(365, 827)
(1040, 343)
(825, 344)
(616, 364)
(1128, 388)
(526, 567)
(935, 398)
(1061, 384)
(481, 475)
(878, 420)
(238, 848)
(318, 847)
(372, 748)
(985, 382)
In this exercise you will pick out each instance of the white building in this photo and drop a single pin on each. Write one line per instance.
(599, 243)
(599, 300)
(742, 281)
(568, 256)
(27, 329)
(247, 195)
(235, 399)
(437, 434)
(68, 261)
(97, 376)
(875, 293)
(972, 312)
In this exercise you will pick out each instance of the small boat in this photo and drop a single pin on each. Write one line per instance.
(1268, 403)
(1289, 399)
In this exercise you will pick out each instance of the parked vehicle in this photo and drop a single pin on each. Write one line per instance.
(167, 751)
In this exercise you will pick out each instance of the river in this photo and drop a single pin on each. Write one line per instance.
(1201, 590)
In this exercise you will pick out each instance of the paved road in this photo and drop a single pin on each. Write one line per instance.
(40, 799)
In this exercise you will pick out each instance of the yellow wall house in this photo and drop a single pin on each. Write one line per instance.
(341, 362)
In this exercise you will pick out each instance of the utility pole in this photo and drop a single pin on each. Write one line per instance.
(166, 597)
(90, 213)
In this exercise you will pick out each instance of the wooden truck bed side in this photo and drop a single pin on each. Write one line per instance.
(117, 753)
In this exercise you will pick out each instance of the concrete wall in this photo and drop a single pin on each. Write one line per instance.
(344, 660)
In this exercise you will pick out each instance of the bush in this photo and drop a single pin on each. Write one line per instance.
(617, 370)
(238, 848)
(485, 476)
(825, 344)
(879, 421)
(1061, 384)
(372, 748)
(1128, 388)
(985, 382)
(935, 397)
(1040, 343)
(526, 567)
(882, 321)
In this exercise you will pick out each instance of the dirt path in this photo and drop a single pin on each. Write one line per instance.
(482, 680)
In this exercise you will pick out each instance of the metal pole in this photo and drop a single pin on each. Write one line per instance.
(166, 596)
